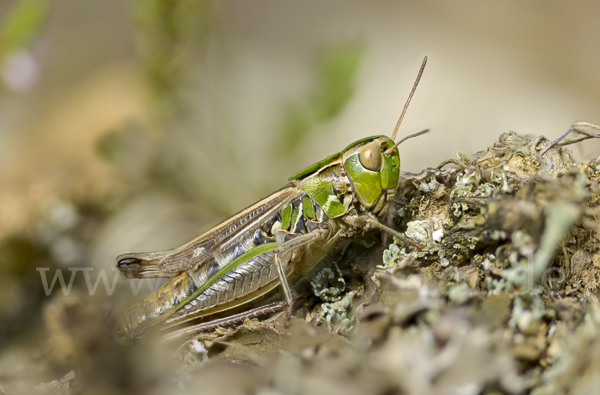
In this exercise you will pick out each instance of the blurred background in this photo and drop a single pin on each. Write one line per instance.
(135, 125)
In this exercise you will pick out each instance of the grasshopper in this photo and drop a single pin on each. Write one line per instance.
(217, 278)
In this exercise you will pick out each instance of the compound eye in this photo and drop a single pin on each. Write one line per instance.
(370, 156)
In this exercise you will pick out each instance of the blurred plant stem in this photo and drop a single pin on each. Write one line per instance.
(168, 32)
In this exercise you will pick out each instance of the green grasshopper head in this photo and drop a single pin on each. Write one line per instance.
(372, 168)
(373, 163)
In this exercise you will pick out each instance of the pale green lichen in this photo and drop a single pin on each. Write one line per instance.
(430, 186)
(473, 242)
(495, 286)
(328, 284)
(418, 230)
(460, 293)
(393, 253)
(524, 313)
(338, 312)
(424, 231)
(497, 178)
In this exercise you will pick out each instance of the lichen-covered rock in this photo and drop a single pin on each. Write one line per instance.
(517, 225)
(496, 300)
(500, 298)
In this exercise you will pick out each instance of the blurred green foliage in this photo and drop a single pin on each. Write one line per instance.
(112, 145)
(191, 153)
(334, 87)
(168, 31)
(21, 24)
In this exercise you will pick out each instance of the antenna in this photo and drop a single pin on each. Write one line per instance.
(409, 97)
(390, 150)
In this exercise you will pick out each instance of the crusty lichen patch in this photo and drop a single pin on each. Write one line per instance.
(515, 225)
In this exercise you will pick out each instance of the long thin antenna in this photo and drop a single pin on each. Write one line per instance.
(390, 150)
(409, 97)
